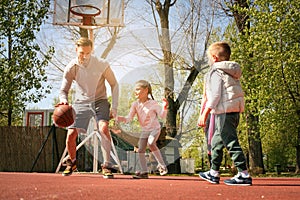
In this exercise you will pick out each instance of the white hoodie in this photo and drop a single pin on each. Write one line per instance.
(223, 88)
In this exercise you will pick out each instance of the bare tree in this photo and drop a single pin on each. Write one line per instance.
(196, 25)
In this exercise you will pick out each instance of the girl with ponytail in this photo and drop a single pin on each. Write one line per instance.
(147, 111)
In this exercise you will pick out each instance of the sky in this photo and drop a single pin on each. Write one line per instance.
(127, 55)
(128, 59)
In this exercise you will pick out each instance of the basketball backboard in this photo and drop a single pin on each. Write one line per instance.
(97, 13)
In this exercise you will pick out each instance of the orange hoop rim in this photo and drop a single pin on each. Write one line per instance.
(83, 14)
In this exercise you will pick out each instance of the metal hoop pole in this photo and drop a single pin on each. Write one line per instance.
(95, 135)
(91, 36)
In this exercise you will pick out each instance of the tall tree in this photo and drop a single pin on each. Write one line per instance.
(22, 66)
(238, 10)
(192, 32)
(268, 46)
(275, 51)
(195, 25)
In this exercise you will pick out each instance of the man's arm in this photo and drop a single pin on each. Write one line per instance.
(111, 79)
(65, 87)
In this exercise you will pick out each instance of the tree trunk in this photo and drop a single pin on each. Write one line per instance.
(298, 148)
(254, 139)
(111, 43)
(165, 43)
(10, 100)
(255, 147)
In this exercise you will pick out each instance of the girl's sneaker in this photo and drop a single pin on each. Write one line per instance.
(163, 170)
(140, 175)
(106, 171)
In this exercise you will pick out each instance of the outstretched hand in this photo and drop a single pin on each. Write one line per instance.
(121, 119)
(165, 103)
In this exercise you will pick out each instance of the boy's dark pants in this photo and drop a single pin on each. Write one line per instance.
(226, 136)
(206, 131)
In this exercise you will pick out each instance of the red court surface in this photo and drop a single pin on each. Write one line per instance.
(33, 186)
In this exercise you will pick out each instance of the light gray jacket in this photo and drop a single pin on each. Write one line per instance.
(90, 81)
(223, 88)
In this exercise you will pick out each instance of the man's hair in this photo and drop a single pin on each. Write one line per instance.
(220, 49)
(83, 42)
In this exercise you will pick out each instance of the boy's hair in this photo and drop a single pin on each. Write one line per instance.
(83, 42)
(145, 84)
(219, 49)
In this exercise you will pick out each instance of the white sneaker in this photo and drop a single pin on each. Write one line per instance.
(163, 170)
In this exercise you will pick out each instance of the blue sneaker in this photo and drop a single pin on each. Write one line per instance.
(239, 180)
(210, 178)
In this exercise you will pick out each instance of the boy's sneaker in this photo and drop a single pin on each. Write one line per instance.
(71, 167)
(239, 180)
(140, 175)
(106, 171)
(210, 178)
(163, 170)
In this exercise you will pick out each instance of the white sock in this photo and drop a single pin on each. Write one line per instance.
(158, 157)
(245, 174)
(214, 173)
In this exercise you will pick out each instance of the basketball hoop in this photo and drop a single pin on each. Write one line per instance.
(87, 12)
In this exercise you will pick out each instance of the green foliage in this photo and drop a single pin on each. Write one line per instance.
(125, 100)
(22, 65)
(70, 98)
(269, 54)
(194, 146)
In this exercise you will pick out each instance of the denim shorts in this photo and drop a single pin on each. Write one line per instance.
(84, 112)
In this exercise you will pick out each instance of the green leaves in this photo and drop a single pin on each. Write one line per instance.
(23, 65)
(269, 54)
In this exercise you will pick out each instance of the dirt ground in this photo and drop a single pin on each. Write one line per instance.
(36, 186)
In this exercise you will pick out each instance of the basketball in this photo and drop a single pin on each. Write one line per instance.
(63, 115)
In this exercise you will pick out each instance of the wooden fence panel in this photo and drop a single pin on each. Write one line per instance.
(21, 145)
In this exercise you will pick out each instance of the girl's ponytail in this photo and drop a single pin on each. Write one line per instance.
(150, 91)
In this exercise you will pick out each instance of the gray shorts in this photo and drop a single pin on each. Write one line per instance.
(84, 112)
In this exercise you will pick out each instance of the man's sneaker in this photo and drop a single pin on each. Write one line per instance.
(64, 161)
(210, 178)
(71, 167)
(239, 180)
(106, 171)
(163, 170)
(140, 175)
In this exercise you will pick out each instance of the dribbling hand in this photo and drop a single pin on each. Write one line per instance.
(62, 103)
